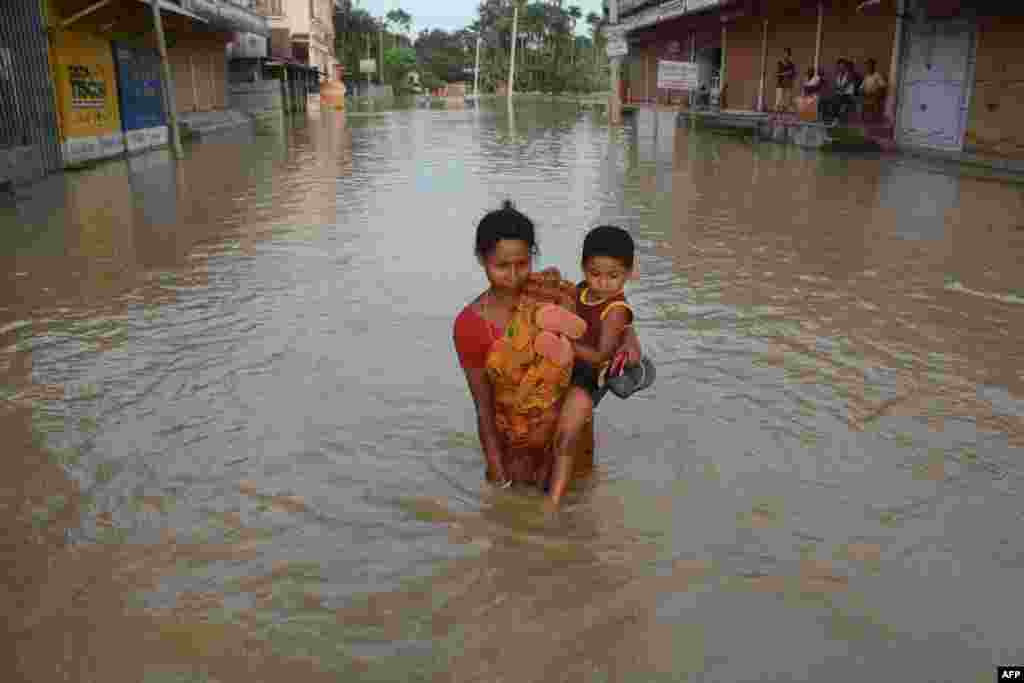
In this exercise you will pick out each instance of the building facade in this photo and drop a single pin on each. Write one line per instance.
(29, 132)
(302, 30)
(955, 71)
(106, 73)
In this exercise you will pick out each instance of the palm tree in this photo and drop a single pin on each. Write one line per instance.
(594, 20)
(575, 13)
(400, 19)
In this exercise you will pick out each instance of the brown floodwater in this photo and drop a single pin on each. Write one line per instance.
(237, 445)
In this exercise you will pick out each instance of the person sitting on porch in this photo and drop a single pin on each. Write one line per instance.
(873, 89)
(785, 75)
(844, 89)
(807, 102)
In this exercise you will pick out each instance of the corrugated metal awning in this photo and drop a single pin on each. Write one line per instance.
(175, 8)
(228, 16)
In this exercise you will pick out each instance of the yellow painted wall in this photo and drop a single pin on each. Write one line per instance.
(86, 85)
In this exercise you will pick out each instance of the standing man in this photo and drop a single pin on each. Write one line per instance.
(784, 77)
(873, 88)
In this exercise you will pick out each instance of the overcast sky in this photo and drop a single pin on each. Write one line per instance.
(451, 15)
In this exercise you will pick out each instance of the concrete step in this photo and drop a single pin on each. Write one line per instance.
(206, 122)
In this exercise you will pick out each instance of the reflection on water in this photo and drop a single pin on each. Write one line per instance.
(237, 439)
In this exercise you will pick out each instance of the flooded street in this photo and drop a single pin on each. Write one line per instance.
(238, 445)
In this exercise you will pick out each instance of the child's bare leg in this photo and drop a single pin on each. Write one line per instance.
(576, 410)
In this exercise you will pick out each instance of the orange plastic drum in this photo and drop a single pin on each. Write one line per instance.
(332, 95)
(807, 107)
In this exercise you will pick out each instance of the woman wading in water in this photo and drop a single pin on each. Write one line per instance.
(516, 413)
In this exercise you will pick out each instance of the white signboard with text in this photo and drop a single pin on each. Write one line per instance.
(677, 75)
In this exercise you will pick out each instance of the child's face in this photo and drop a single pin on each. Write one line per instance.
(606, 276)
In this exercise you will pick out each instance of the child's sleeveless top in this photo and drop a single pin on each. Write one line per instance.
(595, 313)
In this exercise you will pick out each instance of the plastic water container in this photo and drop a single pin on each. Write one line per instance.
(332, 95)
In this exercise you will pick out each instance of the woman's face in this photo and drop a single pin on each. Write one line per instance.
(508, 265)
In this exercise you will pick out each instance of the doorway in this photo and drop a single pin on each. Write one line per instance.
(935, 91)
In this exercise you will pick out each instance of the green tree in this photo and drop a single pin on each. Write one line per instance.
(399, 19)
(398, 62)
(445, 55)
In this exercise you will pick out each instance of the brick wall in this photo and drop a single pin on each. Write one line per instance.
(743, 63)
(997, 104)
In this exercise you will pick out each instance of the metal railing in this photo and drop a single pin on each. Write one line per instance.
(28, 116)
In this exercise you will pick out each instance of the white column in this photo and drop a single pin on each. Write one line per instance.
(614, 102)
(476, 71)
(764, 65)
(892, 96)
(722, 74)
(512, 59)
(817, 37)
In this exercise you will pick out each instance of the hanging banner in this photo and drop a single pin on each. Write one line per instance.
(86, 86)
(677, 75)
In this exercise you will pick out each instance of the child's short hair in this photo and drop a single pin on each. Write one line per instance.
(610, 241)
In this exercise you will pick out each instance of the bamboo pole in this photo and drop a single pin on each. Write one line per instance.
(195, 86)
(168, 84)
(817, 37)
(764, 65)
(722, 73)
(891, 100)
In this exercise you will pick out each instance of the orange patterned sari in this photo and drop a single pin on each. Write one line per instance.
(529, 389)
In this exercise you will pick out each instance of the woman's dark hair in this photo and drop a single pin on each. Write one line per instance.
(506, 223)
(610, 241)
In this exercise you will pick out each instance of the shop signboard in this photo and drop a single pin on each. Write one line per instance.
(367, 66)
(86, 85)
(677, 75)
(141, 98)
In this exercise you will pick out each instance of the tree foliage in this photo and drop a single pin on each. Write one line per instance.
(550, 55)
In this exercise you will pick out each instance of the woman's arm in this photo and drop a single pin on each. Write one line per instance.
(487, 429)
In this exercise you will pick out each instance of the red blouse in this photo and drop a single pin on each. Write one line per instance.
(473, 338)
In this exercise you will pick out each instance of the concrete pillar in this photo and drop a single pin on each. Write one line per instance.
(892, 95)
